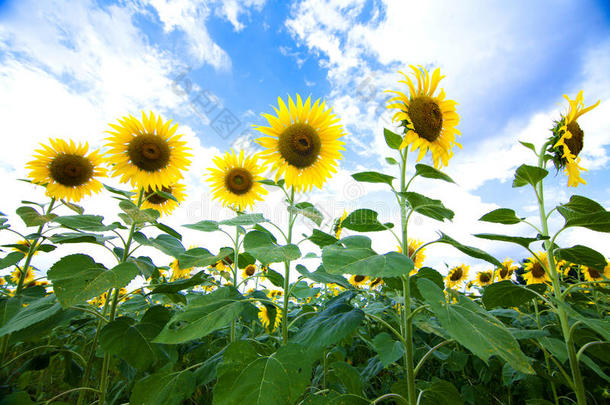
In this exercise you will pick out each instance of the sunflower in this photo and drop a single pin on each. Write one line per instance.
(418, 259)
(506, 270)
(147, 154)
(16, 275)
(339, 225)
(536, 270)
(178, 272)
(376, 282)
(302, 143)
(67, 170)
(484, 278)
(249, 271)
(456, 275)
(429, 121)
(270, 317)
(235, 181)
(568, 140)
(23, 246)
(160, 203)
(595, 274)
(275, 294)
(358, 281)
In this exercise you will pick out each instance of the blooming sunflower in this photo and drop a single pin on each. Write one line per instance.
(536, 271)
(160, 203)
(358, 281)
(147, 153)
(275, 294)
(506, 270)
(568, 140)
(248, 271)
(378, 281)
(594, 274)
(235, 181)
(16, 275)
(456, 275)
(23, 246)
(338, 225)
(302, 143)
(418, 259)
(270, 317)
(429, 121)
(484, 278)
(178, 272)
(67, 170)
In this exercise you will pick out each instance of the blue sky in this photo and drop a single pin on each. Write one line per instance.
(69, 68)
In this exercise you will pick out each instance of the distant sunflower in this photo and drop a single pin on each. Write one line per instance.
(506, 270)
(339, 225)
(594, 274)
(418, 259)
(235, 180)
(249, 271)
(536, 271)
(429, 121)
(270, 317)
(568, 140)
(457, 275)
(484, 278)
(358, 281)
(178, 272)
(67, 170)
(29, 277)
(275, 294)
(163, 205)
(147, 153)
(302, 143)
(376, 282)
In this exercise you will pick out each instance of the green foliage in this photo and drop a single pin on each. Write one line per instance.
(263, 248)
(364, 220)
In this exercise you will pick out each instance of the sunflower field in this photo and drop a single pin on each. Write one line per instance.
(253, 323)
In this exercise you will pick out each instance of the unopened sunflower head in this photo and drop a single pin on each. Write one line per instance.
(567, 140)
(302, 143)
(429, 121)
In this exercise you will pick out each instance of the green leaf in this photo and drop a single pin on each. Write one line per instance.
(276, 278)
(31, 217)
(137, 215)
(124, 193)
(179, 285)
(163, 388)
(599, 221)
(11, 259)
(131, 341)
(354, 255)
(507, 294)
(578, 206)
(584, 255)
(439, 392)
(202, 316)
(469, 250)
(425, 272)
(474, 328)
(431, 173)
(18, 398)
(204, 226)
(37, 311)
(526, 174)
(428, 207)
(77, 278)
(391, 139)
(321, 238)
(165, 243)
(168, 230)
(321, 276)
(244, 219)
(201, 257)
(80, 237)
(529, 146)
(91, 223)
(388, 349)
(308, 210)
(373, 177)
(519, 240)
(260, 245)
(346, 375)
(504, 216)
(364, 220)
(391, 161)
(337, 321)
(244, 377)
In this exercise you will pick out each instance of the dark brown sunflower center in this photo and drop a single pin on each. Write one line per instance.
(503, 272)
(152, 197)
(538, 271)
(239, 181)
(485, 277)
(358, 279)
(300, 145)
(250, 270)
(149, 152)
(71, 170)
(594, 273)
(457, 274)
(375, 282)
(576, 142)
(427, 117)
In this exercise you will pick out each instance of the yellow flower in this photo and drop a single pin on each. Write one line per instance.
(537, 271)
(274, 294)
(177, 272)
(593, 274)
(23, 246)
(147, 154)
(358, 281)
(302, 143)
(248, 271)
(378, 281)
(67, 170)
(457, 275)
(484, 278)
(235, 180)
(506, 270)
(429, 121)
(338, 225)
(418, 259)
(16, 275)
(160, 203)
(568, 140)
(270, 317)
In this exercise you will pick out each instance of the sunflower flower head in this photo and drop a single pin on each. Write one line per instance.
(568, 140)
(596, 274)
(484, 278)
(376, 282)
(506, 270)
(249, 271)
(536, 269)
(178, 272)
(418, 258)
(429, 121)
(29, 277)
(162, 203)
(338, 228)
(270, 317)
(67, 170)
(147, 153)
(457, 275)
(358, 281)
(302, 142)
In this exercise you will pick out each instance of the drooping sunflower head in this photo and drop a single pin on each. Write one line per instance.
(457, 275)
(161, 203)
(484, 278)
(270, 317)
(536, 269)
(249, 271)
(506, 270)
(596, 274)
(147, 153)
(358, 281)
(428, 120)
(235, 180)
(568, 140)
(67, 170)
(302, 143)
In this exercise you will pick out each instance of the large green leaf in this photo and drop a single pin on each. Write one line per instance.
(31, 217)
(337, 321)
(507, 294)
(364, 220)
(179, 285)
(388, 349)
(504, 216)
(598, 221)
(474, 328)
(439, 392)
(201, 257)
(137, 215)
(77, 278)
(245, 377)
(308, 210)
(37, 311)
(354, 255)
(427, 206)
(431, 173)
(321, 276)
(469, 250)
(80, 237)
(373, 177)
(244, 219)
(580, 254)
(392, 139)
(519, 240)
(579, 206)
(202, 316)
(11, 259)
(92, 223)
(424, 272)
(526, 174)
(342, 373)
(260, 245)
(321, 238)
(163, 388)
(204, 226)
(166, 243)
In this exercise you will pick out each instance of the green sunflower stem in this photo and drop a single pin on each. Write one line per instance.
(579, 388)
(235, 266)
(287, 271)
